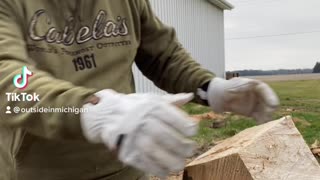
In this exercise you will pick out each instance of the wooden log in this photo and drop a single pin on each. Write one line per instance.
(273, 151)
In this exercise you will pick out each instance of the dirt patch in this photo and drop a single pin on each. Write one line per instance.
(207, 116)
(301, 121)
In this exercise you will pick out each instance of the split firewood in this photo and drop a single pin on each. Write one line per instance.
(272, 151)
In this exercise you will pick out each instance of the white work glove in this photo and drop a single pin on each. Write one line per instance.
(148, 131)
(243, 96)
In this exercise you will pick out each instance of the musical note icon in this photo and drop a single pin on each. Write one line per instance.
(21, 80)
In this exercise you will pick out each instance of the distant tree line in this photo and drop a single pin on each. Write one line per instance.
(272, 72)
(316, 68)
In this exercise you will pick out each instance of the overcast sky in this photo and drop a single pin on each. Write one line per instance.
(251, 19)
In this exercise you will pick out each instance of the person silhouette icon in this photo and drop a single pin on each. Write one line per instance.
(8, 110)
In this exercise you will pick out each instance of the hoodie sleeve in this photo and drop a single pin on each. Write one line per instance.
(53, 93)
(162, 58)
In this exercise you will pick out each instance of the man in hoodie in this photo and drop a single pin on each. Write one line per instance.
(78, 54)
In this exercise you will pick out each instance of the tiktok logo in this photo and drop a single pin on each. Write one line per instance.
(21, 80)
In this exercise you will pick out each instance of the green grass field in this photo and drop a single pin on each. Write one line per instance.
(300, 99)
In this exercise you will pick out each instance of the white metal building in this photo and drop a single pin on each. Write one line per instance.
(200, 28)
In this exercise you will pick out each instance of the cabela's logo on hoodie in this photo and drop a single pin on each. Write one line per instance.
(68, 35)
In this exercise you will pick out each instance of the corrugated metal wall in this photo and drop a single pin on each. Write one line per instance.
(200, 29)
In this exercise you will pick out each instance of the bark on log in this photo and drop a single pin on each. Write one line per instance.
(273, 151)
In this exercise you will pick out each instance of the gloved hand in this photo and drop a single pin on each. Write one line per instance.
(243, 96)
(148, 131)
